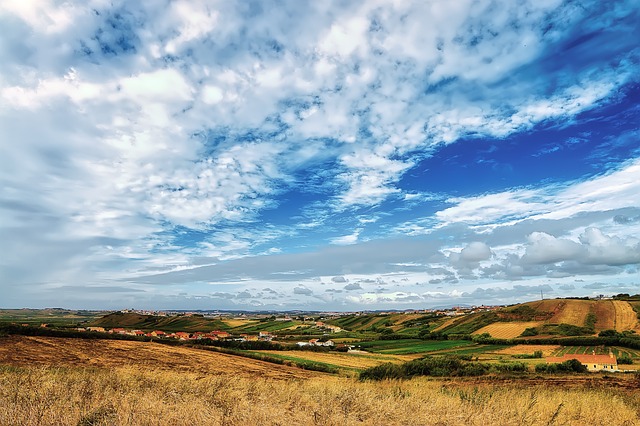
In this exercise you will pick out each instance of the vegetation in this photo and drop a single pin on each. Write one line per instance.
(570, 366)
(132, 396)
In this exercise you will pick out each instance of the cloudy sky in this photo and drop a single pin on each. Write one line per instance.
(327, 155)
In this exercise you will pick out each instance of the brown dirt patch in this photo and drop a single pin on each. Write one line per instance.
(64, 352)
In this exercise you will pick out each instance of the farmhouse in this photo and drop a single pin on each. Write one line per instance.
(592, 362)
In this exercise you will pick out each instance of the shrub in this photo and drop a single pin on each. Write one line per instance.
(625, 359)
(570, 366)
(531, 331)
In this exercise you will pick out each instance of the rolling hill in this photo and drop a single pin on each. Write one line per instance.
(568, 317)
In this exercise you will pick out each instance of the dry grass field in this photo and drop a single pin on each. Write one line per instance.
(507, 330)
(62, 352)
(130, 396)
(347, 360)
(233, 322)
(52, 381)
(445, 324)
(626, 318)
(572, 312)
(547, 350)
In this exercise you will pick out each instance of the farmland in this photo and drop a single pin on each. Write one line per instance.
(507, 330)
(403, 347)
(78, 382)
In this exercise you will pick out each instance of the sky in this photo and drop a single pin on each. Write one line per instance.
(319, 155)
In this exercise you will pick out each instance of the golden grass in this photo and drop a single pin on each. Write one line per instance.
(507, 330)
(626, 318)
(547, 350)
(572, 312)
(445, 324)
(233, 323)
(130, 396)
(347, 360)
(63, 352)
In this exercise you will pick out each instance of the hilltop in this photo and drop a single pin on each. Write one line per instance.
(542, 318)
(551, 317)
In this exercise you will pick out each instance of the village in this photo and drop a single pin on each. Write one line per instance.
(216, 335)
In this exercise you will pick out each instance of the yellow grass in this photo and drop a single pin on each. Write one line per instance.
(547, 350)
(626, 318)
(572, 312)
(129, 396)
(62, 352)
(348, 360)
(447, 323)
(233, 323)
(77, 382)
(507, 330)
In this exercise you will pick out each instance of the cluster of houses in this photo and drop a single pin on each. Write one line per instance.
(183, 335)
(317, 342)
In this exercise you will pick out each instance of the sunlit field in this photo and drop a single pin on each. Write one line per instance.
(135, 396)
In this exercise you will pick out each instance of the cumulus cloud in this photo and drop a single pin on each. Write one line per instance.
(352, 286)
(144, 143)
(545, 248)
(303, 290)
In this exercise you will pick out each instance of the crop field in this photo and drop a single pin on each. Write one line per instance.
(626, 317)
(474, 350)
(507, 330)
(547, 350)
(446, 324)
(599, 350)
(572, 312)
(237, 323)
(58, 317)
(64, 352)
(350, 360)
(402, 347)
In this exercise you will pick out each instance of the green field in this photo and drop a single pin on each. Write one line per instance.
(411, 346)
(599, 350)
(54, 316)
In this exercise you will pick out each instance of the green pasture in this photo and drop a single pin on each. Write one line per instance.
(411, 346)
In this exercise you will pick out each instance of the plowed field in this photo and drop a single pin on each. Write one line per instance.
(54, 351)
(507, 330)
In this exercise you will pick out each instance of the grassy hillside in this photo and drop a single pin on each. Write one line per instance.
(151, 322)
(552, 317)
(52, 316)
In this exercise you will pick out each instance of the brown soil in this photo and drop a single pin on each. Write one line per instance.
(64, 352)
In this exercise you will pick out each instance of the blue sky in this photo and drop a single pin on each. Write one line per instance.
(317, 155)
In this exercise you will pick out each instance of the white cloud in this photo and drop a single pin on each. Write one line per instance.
(545, 248)
(123, 123)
